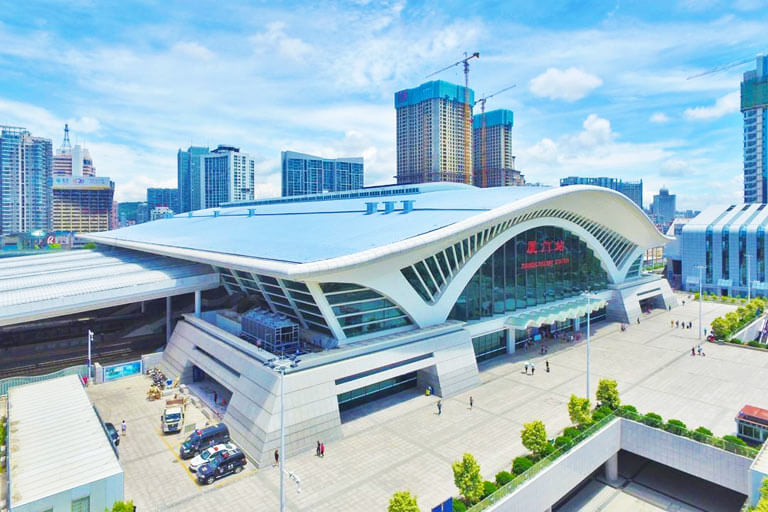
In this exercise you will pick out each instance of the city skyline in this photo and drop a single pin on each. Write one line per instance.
(595, 95)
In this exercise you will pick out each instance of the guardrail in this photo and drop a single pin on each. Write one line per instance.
(6, 384)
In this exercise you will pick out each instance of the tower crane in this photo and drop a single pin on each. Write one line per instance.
(482, 101)
(467, 114)
(724, 67)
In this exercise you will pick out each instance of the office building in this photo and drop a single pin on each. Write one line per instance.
(494, 162)
(82, 205)
(226, 175)
(434, 133)
(160, 212)
(729, 243)
(754, 107)
(126, 213)
(188, 177)
(663, 207)
(70, 161)
(114, 220)
(167, 197)
(25, 181)
(631, 189)
(306, 174)
(143, 213)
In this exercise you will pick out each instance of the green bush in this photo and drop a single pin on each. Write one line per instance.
(122, 506)
(735, 341)
(548, 449)
(676, 427)
(734, 440)
(696, 296)
(628, 408)
(563, 441)
(756, 343)
(489, 488)
(503, 478)
(652, 419)
(571, 432)
(597, 415)
(701, 433)
(521, 464)
(459, 506)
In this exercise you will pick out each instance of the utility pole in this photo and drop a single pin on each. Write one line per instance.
(701, 297)
(90, 340)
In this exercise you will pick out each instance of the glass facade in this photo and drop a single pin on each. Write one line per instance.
(761, 254)
(307, 174)
(490, 345)
(536, 267)
(708, 245)
(361, 310)
(378, 390)
(743, 256)
(726, 242)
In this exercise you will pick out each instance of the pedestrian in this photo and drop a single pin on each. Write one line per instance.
(693, 352)
(317, 450)
(533, 368)
(683, 302)
(547, 363)
(677, 323)
(277, 457)
(698, 349)
(215, 397)
(526, 368)
(322, 449)
(638, 320)
(439, 408)
(471, 402)
(671, 323)
(123, 427)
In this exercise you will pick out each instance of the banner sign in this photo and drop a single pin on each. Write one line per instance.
(119, 371)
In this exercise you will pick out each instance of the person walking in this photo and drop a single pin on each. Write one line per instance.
(317, 450)
(638, 320)
(547, 364)
(533, 368)
(439, 407)
(215, 397)
(526, 368)
(277, 458)
(698, 349)
(693, 351)
(677, 323)
(322, 450)
(123, 427)
(471, 402)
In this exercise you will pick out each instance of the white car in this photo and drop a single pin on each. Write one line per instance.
(206, 454)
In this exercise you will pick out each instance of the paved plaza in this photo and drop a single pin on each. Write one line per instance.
(401, 443)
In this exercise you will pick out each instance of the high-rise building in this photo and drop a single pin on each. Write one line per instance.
(82, 204)
(631, 189)
(114, 222)
(226, 175)
(434, 133)
(492, 149)
(307, 174)
(142, 213)
(663, 207)
(188, 176)
(70, 161)
(167, 197)
(26, 167)
(754, 106)
(126, 213)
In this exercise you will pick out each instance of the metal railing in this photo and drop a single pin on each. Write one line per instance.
(6, 384)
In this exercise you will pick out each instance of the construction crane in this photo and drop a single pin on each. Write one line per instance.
(467, 113)
(482, 101)
(724, 67)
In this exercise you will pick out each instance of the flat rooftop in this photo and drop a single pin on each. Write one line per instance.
(57, 442)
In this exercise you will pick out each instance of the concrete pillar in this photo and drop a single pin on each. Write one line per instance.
(612, 468)
(198, 303)
(143, 307)
(576, 324)
(510, 341)
(167, 319)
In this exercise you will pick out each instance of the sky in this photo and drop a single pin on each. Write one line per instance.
(601, 86)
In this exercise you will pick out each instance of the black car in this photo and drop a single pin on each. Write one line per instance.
(112, 431)
(221, 464)
(201, 439)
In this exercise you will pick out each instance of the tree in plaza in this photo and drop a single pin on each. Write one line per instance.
(534, 436)
(608, 393)
(403, 501)
(578, 411)
(720, 328)
(121, 506)
(733, 320)
(466, 476)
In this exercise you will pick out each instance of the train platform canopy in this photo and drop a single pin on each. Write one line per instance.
(66, 282)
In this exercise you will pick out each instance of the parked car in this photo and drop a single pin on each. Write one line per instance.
(112, 431)
(204, 438)
(221, 464)
(206, 454)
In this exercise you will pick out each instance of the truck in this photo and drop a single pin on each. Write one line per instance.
(172, 419)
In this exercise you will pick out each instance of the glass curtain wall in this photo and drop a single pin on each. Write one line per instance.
(536, 267)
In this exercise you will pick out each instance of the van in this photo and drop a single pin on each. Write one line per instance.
(201, 439)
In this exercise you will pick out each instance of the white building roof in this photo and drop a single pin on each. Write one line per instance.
(56, 440)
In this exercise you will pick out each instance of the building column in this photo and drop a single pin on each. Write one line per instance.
(198, 303)
(576, 324)
(143, 306)
(511, 341)
(167, 319)
(612, 468)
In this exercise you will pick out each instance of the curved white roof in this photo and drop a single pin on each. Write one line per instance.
(306, 236)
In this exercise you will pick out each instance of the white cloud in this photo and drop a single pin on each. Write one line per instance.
(727, 104)
(570, 85)
(275, 38)
(85, 125)
(659, 118)
(193, 50)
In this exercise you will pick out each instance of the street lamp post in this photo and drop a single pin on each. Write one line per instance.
(701, 298)
(589, 310)
(280, 365)
(90, 340)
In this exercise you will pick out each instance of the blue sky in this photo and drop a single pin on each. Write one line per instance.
(601, 86)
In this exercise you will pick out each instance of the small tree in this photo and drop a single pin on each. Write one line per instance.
(608, 393)
(403, 501)
(122, 506)
(720, 328)
(534, 436)
(578, 411)
(466, 476)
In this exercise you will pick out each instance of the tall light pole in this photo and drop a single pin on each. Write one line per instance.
(589, 311)
(280, 365)
(90, 340)
(701, 297)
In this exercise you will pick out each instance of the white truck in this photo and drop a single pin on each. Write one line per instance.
(172, 419)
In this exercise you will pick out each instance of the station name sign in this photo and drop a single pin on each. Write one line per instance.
(548, 247)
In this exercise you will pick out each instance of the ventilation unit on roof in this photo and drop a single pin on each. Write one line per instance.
(216, 213)
(251, 212)
(389, 206)
(189, 214)
(371, 207)
(407, 205)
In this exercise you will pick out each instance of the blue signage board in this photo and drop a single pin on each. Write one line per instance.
(121, 370)
(446, 506)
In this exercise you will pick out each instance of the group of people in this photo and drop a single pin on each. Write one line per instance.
(532, 366)
(320, 450)
(678, 323)
(698, 349)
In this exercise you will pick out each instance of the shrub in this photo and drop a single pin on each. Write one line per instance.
(459, 506)
(735, 341)
(563, 441)
(676, 427)
(403, 501)
(127, 506)
(548, 449)
(652, 419)
(571, 432)
(628, 408)
(696, 296)
(503, 478)
(734, 440)
(521, 464)
(598, 414)
(608, 394)
(489, 488)
(755, 343)
(89, 245)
